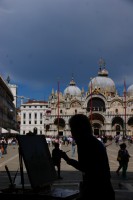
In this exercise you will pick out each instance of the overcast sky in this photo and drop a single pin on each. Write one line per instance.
(46, 41)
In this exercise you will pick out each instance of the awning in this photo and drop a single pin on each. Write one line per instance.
(13, 131)
(4, 130)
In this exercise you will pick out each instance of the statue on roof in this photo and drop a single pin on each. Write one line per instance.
(8, 79)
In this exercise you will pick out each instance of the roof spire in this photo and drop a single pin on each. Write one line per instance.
(102, 70)
(72, 82)
(101, 63)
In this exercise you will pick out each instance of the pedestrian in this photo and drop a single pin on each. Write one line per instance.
(73, 148)
(56, 157)
(92, 161)
(123, 159)
(0, 151)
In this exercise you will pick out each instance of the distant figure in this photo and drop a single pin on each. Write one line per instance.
(92, 161)
(123, 159)
(32, 133)
(73, 148)
(0, 151)
(56, 157)
(4, 145)
(35, 130)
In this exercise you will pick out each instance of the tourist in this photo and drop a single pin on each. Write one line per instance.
(123, 159)
(92, 161)
(73, 148)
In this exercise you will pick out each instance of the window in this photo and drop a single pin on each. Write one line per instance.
(40, 115)
(29, 115)
(116, 110)
(24, 115)
(35, 115)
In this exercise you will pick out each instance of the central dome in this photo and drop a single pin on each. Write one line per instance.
(72, 89)
(103, 83)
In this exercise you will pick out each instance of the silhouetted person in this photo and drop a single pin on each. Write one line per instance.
(123, 159)
(35, 130)
(56, 157)
(32, 133)
(92, 161)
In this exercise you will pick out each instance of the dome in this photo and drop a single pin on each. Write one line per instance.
(130, 91)
(72, 89)
(102, 82)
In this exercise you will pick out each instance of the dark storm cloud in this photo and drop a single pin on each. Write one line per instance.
(42, 41)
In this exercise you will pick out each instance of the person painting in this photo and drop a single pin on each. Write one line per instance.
(92, 161)
(123, 159)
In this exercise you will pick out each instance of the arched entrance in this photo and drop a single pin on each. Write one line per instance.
(96, 128)
(118, 125)
(60, 124)
(130, 126)
(97, 123)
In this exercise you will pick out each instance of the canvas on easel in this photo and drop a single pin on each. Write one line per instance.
(37, 159)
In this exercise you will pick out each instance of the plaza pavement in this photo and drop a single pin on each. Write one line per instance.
(71, 177)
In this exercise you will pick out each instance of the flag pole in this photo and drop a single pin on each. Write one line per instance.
(125, 108)
(58, 106)
(91, 104)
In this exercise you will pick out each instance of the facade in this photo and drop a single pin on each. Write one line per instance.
(110, 113)
(7, 108)
(32, 116)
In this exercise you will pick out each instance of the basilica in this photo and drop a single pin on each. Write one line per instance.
(110, 113)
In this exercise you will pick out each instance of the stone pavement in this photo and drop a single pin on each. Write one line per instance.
(71, 177)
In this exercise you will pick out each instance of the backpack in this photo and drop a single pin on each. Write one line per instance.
(123, 156)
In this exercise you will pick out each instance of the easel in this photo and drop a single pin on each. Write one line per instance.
(12, 186)
(37, 156)
(21, 169)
